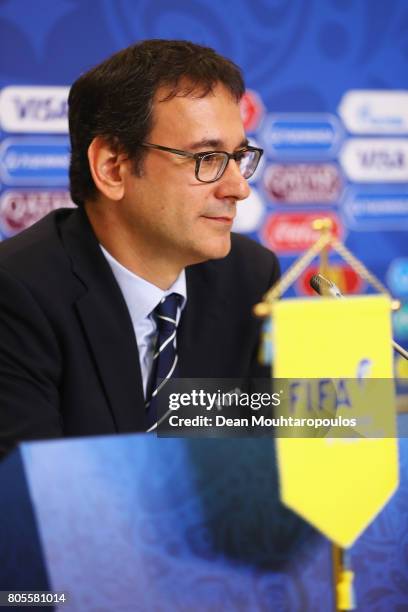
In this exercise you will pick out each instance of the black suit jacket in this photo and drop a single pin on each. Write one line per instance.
(68, 355)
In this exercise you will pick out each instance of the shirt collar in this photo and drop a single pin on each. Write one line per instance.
(140, 295)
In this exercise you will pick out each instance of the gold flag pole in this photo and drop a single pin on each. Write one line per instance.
(324, 226)
(343, 580)
(343, 576)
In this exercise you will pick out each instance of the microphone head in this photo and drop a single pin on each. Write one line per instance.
(319, 284)
(323, 286)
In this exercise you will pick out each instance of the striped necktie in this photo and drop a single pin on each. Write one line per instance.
(164, 364)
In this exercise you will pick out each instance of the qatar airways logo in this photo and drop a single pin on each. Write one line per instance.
(34, 109)
(303, 183)
(20, 208)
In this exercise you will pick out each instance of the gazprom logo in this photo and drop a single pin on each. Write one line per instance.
(34, 109)
(301, 135)
(34, 161)
(375, 111)
(382, 209)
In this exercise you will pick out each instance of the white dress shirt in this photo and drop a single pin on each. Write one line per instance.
(141, 298)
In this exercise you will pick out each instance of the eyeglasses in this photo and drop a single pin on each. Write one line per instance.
(211, 165)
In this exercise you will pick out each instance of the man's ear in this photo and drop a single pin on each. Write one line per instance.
(107, 168)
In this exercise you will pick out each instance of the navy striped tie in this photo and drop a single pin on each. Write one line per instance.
(164, 364)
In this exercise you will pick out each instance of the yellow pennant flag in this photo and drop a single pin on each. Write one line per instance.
(337, 450)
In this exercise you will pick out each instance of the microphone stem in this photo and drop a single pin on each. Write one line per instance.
(399, 349)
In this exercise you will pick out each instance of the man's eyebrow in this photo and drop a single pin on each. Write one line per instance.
(206, 144)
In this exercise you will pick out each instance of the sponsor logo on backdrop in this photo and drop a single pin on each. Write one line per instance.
(375, 160)
(301, 135)
(250, 213)
(303, 183)
(346, 279)
(400, 322)
(397, 276)
(21, 208)
(385, 209)
(34, 161)
(375, 111)
(291, 233)
(34, 109)
(252, 110)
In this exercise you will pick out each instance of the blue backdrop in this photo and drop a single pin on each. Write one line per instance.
(327, 99)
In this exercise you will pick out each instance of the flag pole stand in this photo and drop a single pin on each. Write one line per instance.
(343, 578)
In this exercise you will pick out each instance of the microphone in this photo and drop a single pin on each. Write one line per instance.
(325, 287)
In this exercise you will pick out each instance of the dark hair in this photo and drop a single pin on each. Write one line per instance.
(115, 99)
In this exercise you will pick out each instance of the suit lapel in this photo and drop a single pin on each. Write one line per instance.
(106, 324)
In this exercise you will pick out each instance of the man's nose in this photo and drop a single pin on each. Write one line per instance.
(232, 184)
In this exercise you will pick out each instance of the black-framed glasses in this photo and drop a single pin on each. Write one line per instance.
(211, 165)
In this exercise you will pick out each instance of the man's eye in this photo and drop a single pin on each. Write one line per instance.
(239, 155)
(210, 160)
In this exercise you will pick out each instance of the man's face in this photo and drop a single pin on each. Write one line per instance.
(167, 211)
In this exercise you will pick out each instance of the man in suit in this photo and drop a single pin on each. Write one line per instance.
(159, 161)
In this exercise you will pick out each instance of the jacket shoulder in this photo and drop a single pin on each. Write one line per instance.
(36, 249)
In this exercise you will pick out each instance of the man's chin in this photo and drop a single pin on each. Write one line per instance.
(217, 249)
(220, 248)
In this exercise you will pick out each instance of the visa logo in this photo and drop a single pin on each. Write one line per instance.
(382, 159)
(41, 110)
(37, 109)
(375, 160)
